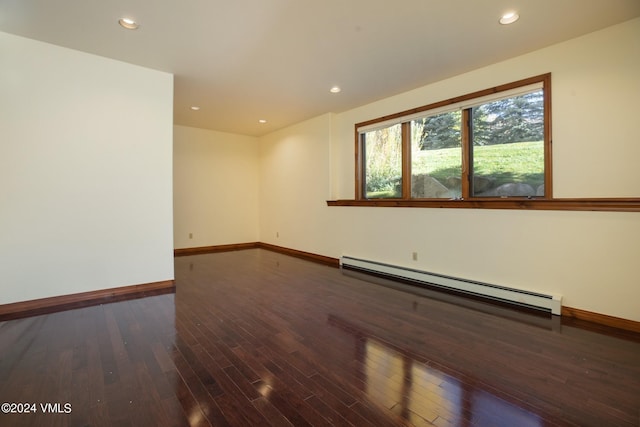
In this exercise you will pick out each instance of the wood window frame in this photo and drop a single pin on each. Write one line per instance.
(546, 202)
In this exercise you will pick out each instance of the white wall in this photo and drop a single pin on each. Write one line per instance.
(595, 86)
(215, 188)
(294, 187)
(588, 257)
(85, 167)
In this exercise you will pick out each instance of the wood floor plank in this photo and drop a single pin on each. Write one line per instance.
(255, 337)
(271, 414)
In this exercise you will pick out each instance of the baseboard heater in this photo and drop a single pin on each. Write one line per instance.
(549, 303)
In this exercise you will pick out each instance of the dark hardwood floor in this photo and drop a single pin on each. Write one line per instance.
(257, 338)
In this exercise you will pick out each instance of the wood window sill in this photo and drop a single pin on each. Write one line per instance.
(611, 205)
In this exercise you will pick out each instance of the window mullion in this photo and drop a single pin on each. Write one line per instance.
(360, 153)
(406, 160)
(548, 192)
(465, 135)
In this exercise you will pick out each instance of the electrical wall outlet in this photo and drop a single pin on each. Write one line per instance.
(414, 256)
(191, 235)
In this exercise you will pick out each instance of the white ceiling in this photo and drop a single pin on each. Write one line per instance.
(245, 60)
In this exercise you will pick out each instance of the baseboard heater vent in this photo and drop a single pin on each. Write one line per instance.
(549, 303)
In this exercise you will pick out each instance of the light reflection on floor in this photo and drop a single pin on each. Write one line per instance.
(424, 395)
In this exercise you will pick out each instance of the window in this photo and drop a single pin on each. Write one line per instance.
(490, 144)
(383, 161)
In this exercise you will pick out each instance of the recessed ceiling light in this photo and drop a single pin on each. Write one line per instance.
(128, 23)
(195, 108)
(263, 121)
(335, 89)
(509, 18)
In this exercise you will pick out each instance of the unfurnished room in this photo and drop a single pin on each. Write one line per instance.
(338, 213)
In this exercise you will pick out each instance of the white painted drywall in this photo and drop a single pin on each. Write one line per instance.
(294, 186)
(588, 257)
(216, 188)
(85, 172)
